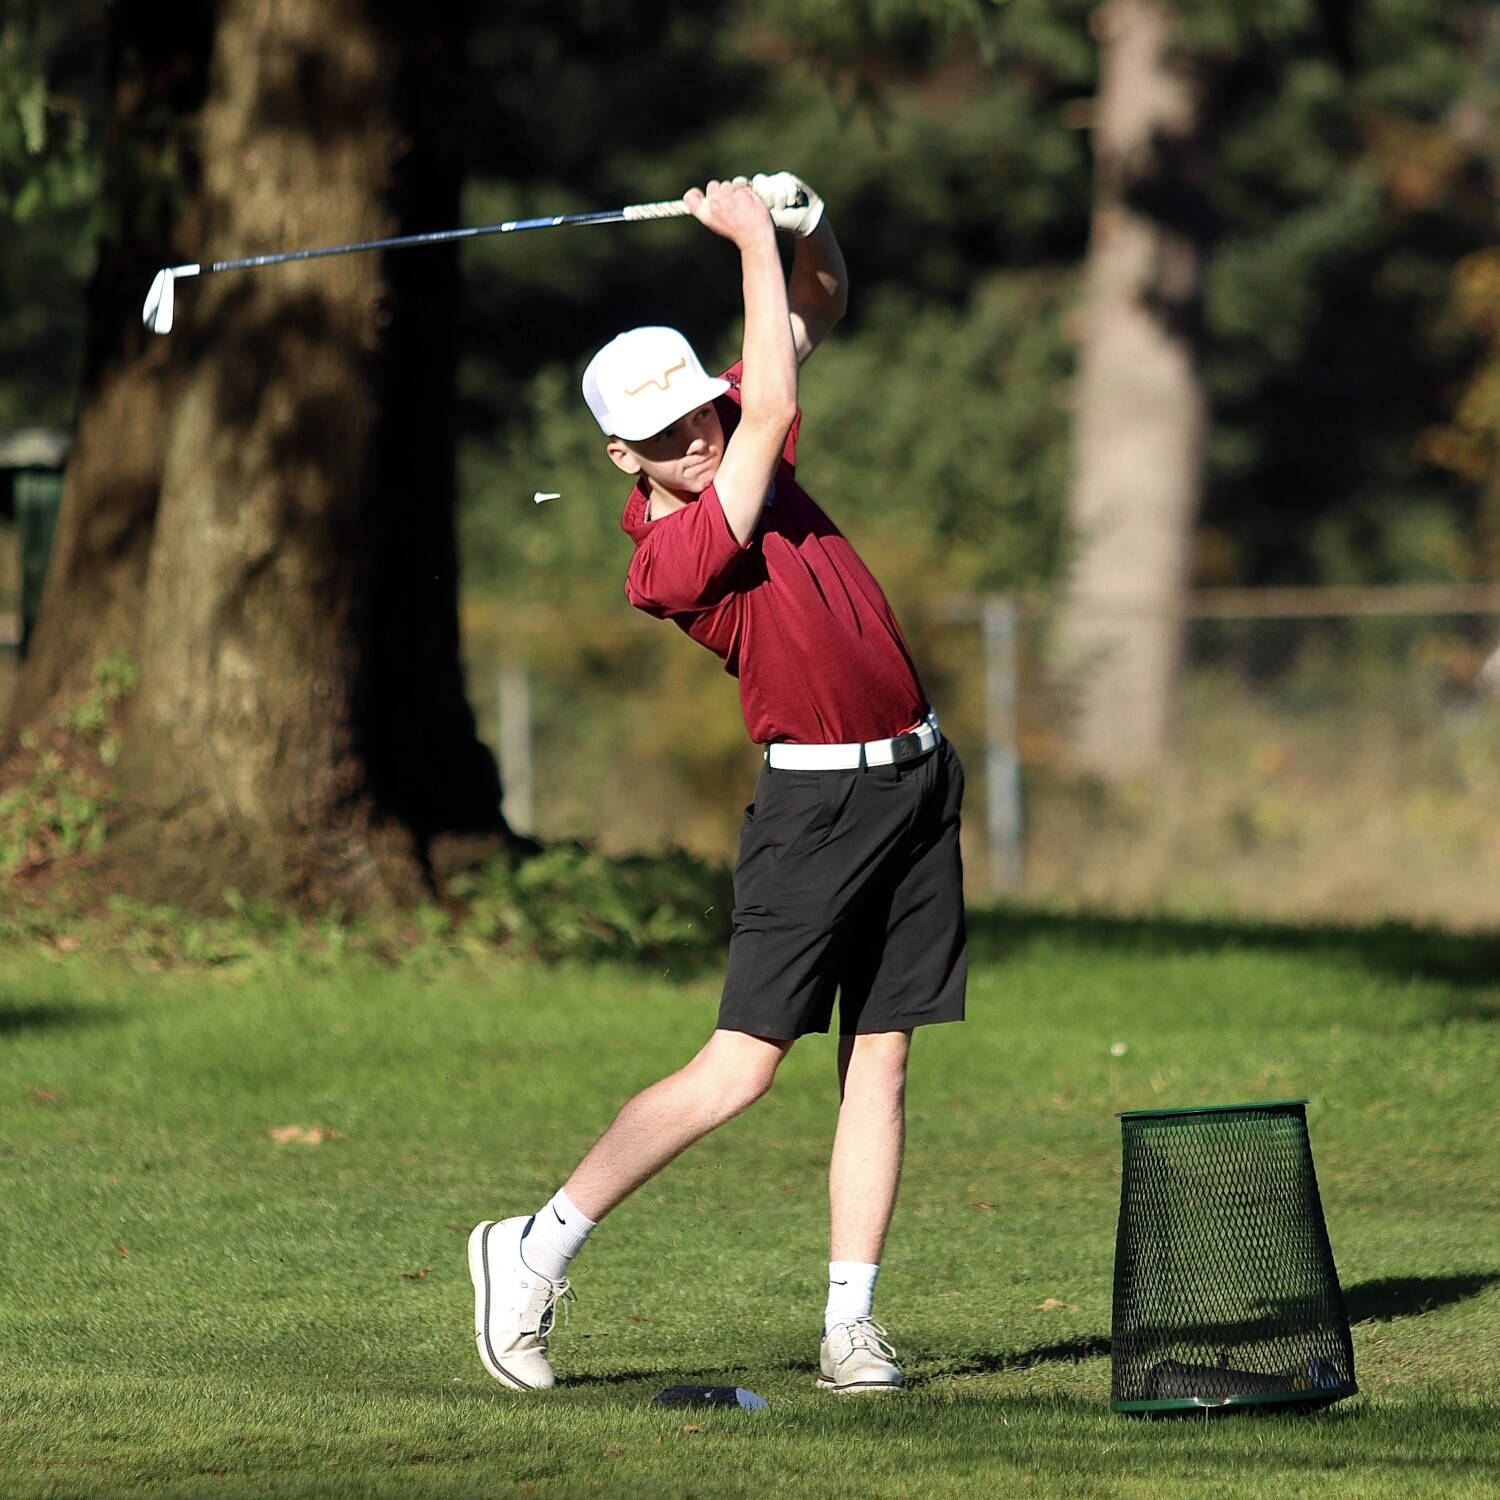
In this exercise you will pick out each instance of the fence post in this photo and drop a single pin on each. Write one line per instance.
(37, 493)
(514, 697)
(1004, 832)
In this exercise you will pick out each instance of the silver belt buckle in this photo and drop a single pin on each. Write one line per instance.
(906, 747)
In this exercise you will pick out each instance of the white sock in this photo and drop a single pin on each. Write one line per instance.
(554, 1236)
(851, 1291)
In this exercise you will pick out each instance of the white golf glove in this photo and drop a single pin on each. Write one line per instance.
(793, 204)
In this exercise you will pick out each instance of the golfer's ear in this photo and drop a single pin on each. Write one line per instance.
(622, 457)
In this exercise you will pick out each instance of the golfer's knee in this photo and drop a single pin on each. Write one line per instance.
(734, 1070)
(877, 1064)
(740, 1093)
(738, 1089)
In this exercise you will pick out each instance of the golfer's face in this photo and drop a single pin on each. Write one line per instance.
(686, 455)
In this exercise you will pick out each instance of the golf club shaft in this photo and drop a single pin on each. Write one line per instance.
(671, 209)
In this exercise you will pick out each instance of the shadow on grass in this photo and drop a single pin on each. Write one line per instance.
(18, 1018)
(1398, 948)
(1410, 1296)
(1066, 1351)
(1368, 1301)
(657, 1378)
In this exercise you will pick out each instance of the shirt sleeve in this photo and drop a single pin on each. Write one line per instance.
(686, 561)
(734, 375)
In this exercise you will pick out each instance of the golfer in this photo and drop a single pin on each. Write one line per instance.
(848, 877)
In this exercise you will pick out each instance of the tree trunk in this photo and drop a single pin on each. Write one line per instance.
(1141, 416)
(301, 729)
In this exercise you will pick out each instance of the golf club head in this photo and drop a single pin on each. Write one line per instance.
(156, 314)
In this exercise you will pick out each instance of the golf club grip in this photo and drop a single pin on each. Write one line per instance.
(672, 208)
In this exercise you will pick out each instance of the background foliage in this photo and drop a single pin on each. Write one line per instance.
(49, 183)
(1348, 181)
(1351, 156)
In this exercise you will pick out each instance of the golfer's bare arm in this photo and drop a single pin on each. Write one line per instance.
(818, 291)
(768, 380)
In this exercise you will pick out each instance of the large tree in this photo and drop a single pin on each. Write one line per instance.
(1140, 417)
(263, 505)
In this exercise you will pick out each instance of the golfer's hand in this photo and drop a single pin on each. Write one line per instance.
(731, 209)
(792, 203)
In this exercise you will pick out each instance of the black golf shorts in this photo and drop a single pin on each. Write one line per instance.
(849, 882)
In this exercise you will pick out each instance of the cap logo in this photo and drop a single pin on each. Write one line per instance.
(664, 383)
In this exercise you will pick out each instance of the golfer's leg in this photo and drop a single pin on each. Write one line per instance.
(730, 1072)
(865, 1169)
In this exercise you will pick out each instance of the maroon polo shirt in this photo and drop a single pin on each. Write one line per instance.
(794, 615)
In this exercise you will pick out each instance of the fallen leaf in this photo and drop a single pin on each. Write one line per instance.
(1053, 1304)
(417, 1275)
(980, 1203)
(66, 943)
(615, 1449)
(301, 1135)
(121, 1251)
(691, 1427)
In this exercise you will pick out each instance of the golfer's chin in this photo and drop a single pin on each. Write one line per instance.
(698, 478)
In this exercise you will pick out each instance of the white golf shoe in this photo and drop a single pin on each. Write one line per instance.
(856, 1358)
(514, 1307)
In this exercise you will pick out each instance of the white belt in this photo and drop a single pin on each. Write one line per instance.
(783, 755)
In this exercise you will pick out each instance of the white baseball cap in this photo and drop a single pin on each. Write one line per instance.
(644, 380)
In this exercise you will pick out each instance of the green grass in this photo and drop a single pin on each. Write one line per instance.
(191, 1307)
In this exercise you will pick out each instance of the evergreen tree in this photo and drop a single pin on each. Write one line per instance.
(49, 178)
(1342, 194)
(1467, 443)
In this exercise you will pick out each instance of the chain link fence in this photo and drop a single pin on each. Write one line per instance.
(1333, 756)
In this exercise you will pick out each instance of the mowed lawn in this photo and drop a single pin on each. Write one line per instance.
(235, 1201)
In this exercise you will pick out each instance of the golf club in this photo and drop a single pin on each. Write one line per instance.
(157, 312)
